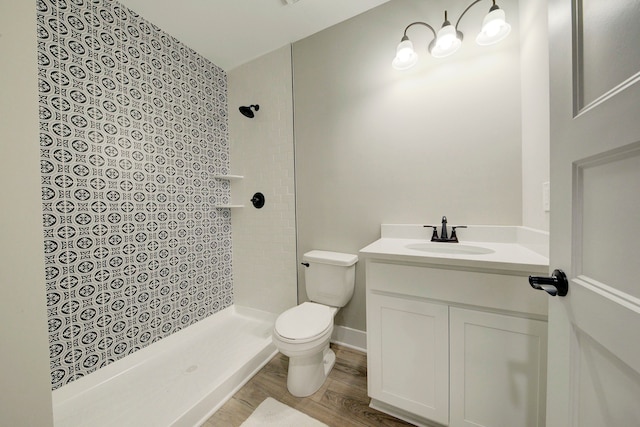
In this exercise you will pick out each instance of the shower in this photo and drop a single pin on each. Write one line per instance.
(246, 111)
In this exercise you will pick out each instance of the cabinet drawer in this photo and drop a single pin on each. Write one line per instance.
(494, 291)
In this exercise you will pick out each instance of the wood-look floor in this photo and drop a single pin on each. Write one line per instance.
(342, 400)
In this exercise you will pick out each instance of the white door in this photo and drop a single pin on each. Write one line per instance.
(594, 332)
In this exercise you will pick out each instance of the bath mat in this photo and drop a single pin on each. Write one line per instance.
(273, 413)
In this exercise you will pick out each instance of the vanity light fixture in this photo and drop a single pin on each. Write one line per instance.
(449, 39)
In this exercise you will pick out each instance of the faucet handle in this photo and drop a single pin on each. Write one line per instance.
(434, 236)
(454, 237)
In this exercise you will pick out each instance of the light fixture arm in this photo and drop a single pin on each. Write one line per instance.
(467, 9)
(433, 31)
(418, 23)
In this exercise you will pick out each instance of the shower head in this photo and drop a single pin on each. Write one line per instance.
(246, 111)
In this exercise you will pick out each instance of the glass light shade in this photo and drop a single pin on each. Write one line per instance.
(494, 28)
(406, 57)
(447, 42)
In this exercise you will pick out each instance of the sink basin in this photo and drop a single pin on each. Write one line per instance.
(449, 248)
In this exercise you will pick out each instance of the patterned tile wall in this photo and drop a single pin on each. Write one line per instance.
(133, 132)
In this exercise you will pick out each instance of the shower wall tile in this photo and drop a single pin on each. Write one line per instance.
(133, 130)
(262, 151)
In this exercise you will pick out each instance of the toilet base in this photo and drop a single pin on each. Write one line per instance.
(307, 373)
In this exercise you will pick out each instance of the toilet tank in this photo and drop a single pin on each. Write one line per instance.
(330, 277)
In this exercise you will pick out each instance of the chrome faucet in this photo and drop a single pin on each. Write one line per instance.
(444, 236)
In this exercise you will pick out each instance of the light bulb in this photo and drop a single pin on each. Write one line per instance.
(406, 57)
(447, 42)
(405, 53)
(494, 28)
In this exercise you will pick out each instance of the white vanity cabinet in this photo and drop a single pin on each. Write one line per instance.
(455, 346)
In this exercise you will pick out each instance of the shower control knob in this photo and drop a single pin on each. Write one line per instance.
(258, 200)
(557, 284)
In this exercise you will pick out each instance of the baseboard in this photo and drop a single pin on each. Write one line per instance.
(349, 337)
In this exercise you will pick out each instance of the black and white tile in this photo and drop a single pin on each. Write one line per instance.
(133, 129)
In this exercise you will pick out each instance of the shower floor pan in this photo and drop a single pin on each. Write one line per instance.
(178, 381)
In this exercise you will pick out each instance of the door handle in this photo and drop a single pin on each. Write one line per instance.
(557, 284)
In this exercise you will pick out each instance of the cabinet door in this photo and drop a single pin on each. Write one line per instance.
(498, 370)
(408, 352)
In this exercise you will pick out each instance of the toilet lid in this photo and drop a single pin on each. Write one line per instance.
(304, 321)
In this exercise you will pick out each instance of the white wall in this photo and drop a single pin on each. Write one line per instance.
(264, 240)
(24, 359)
(534, 65)
(375, 145)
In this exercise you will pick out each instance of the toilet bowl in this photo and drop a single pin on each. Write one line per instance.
(303, 332)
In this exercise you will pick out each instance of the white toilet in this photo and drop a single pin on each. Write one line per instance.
(303, 332)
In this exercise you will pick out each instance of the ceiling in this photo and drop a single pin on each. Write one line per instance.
(232, 32)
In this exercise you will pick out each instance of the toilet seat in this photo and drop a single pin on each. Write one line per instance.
(304, 323)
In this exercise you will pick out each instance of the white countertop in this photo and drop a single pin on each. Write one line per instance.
(515, 249)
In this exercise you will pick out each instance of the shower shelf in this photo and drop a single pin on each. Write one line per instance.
(229, 178)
